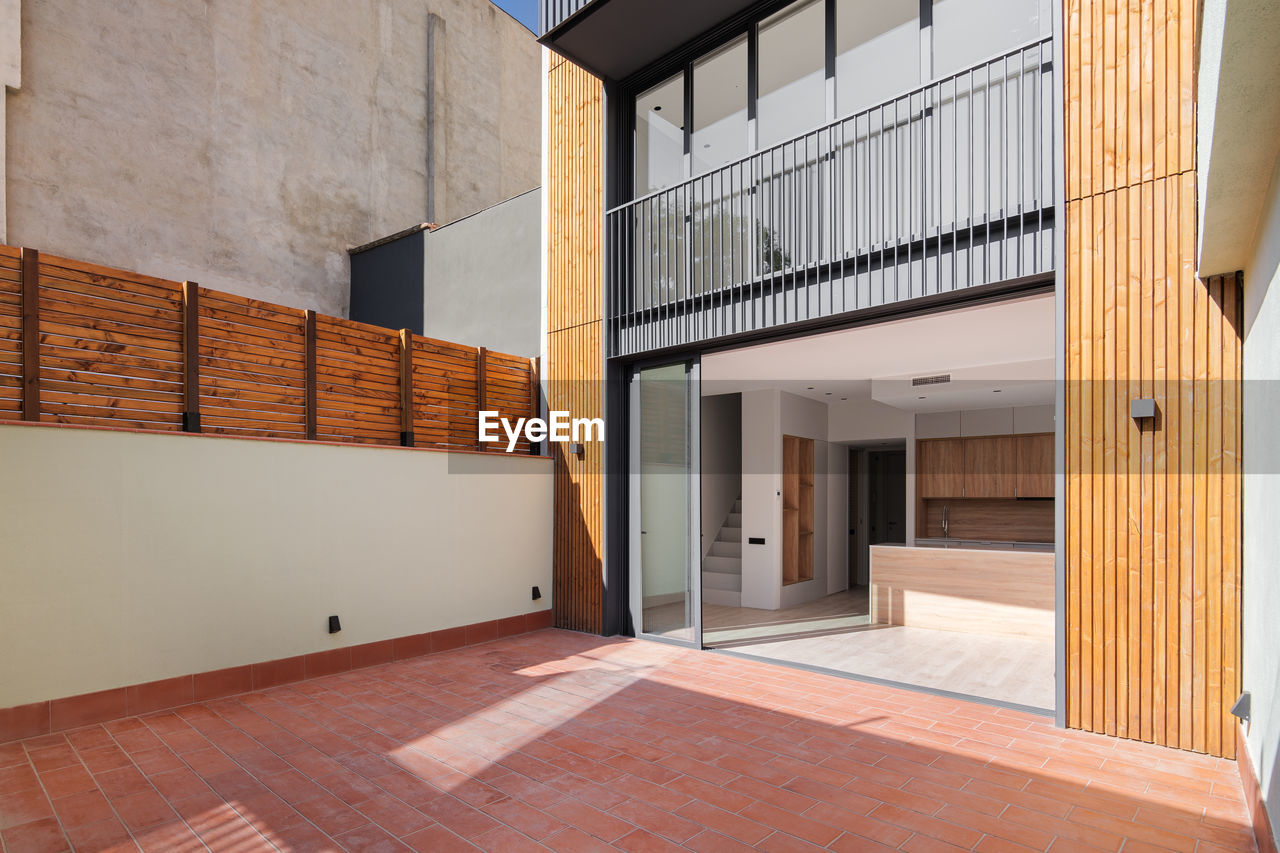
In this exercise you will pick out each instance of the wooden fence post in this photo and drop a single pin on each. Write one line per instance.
(482, 357)
(190, 356)
(406, 388)
(535, 396)
(30, 334)
(310, 358)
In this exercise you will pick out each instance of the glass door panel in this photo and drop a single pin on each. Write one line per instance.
(666, 595)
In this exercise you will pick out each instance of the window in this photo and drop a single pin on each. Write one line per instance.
(792, 72)
(720, 107)
(659, 157)
(877, 55)
(966, 32)
(877, 51)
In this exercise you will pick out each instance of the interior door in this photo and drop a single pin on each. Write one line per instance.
(665, 503)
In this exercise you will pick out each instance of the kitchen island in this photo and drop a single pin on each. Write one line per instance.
(993, 590)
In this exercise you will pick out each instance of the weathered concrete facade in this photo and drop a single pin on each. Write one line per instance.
(248, 145)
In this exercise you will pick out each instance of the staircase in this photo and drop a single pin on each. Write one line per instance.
(722, 567)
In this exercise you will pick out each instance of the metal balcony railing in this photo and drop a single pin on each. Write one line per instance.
(947, 186)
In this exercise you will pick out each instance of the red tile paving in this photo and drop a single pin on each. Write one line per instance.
(565, 742)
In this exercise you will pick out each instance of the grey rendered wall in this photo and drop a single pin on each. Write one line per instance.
(482, 278)
(247, 145)
(1261, 582)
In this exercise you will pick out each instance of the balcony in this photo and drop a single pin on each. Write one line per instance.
(945, 187)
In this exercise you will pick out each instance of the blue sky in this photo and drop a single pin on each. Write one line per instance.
(524, 11)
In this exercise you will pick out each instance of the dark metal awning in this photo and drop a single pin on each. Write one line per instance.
(616, 38)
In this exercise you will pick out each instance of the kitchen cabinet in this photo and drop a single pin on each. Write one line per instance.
(1035, 465)
(990, 466)
(940, 468)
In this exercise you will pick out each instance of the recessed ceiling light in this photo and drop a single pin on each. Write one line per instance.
(844, 398)
(810, 387)
(919, 398)
(828, 394)
(658, 108)
(706, 145)
(995, 391)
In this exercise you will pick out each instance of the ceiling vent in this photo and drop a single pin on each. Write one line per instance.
(940, 379)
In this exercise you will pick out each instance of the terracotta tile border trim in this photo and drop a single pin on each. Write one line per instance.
(55, 715)
(1263, 832)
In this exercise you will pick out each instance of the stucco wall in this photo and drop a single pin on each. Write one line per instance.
(482, 278)
(247, 145)
(134, 557)
(1261, 582)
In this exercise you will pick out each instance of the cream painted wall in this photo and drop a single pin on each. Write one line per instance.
(1261, 541)
(133, 557)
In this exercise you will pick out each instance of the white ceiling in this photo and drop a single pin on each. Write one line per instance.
(997, 355)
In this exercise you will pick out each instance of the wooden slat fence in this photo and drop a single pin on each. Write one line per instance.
(86, 344)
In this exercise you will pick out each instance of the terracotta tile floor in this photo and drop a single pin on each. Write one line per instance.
(568, 742)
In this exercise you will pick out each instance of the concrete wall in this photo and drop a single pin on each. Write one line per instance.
(767, 415)
(247, 145)
(482, 278)
(1261, 582)
(721, 480)
(135, 557)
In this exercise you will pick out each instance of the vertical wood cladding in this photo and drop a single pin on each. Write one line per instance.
(1152, 509)
(575, 355)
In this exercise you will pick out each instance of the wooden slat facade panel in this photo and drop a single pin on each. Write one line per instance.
(574, 369)
(1152, 509)
(573, 384)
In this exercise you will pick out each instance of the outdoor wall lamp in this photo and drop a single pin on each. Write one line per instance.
(1240, 710)
(1142, 408)
(577, 448)
(335, 625)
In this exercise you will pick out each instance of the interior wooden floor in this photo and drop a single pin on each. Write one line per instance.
(835, 633)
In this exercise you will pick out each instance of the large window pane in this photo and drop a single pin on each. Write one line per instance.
(792, 73)
(877, 51)
(720, 107)
(660, 136)
(966, 32)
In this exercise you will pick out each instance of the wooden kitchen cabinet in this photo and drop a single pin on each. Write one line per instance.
(990, 466)
(1035, 465)
(940, 467)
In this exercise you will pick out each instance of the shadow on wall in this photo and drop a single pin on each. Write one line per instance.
(564, 734)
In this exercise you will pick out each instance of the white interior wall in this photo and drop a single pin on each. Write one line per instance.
(1005, 421)
(761, 498)
(864, 421)
(721, 462)
(133, 557)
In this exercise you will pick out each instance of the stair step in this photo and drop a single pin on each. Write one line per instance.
(737, 506)
(734, 520)
(722, 548)
(721, 580)
(730, 534)
(722, 597)
(721, 565)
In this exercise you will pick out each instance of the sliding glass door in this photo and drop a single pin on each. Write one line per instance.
(665, 560)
